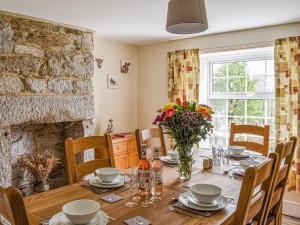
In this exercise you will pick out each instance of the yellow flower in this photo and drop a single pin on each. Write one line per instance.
(168, 106)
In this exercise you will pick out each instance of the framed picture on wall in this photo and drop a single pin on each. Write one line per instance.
(125, 66)
(113, 81)
(99, 62)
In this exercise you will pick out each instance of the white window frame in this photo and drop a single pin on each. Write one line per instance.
(206, 62)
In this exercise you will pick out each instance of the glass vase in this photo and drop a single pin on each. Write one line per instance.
(185, 162)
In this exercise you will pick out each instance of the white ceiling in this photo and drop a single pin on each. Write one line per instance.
(142, 22)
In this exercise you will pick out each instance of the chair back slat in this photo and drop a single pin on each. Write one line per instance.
(148, 136)
(264, 132)
(84, 143)
(283, 171)
(89, 167)
(103, 155)
(255, 191)
(285, 152)
(256, 205)
(12, 206)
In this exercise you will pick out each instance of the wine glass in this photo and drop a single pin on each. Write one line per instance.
(131, 182)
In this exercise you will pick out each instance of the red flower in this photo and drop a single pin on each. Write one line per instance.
(178, 102)
(170, 113)
(185, 104)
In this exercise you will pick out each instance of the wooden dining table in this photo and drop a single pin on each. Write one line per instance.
(44, 205)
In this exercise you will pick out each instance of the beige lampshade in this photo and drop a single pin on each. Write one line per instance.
(186, 16)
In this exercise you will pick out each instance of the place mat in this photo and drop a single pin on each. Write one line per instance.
(198, 212)
(112, 198)
(94, 189)
(138, 220)
(45, 221)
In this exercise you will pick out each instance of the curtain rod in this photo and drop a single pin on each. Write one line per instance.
(237, 47)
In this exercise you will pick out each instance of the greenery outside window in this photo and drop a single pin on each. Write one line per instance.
(241, 89)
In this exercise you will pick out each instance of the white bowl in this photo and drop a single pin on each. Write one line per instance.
(81, 211)
(173, 154)
(205, 193)
(107, 174)
(246, 163)
(236, 150)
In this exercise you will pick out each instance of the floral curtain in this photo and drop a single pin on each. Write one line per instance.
(287, 70)
(183, 75)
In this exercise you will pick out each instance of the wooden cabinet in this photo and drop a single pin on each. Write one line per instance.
(125, 152)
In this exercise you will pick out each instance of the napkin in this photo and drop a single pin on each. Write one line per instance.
(112, 198)
(198, 212)
(138, 220)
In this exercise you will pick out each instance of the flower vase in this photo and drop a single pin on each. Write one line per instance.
(41, 187)
(185, 162)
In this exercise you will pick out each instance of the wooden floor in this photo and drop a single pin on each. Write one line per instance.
(287, 220)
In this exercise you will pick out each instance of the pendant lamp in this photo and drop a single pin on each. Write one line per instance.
(186, 16)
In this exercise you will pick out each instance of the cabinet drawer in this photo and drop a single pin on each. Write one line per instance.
(120, 148)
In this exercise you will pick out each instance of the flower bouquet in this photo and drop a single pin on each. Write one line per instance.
(187, 123)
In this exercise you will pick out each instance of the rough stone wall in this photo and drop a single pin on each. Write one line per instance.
(46, 93)
(39, 59)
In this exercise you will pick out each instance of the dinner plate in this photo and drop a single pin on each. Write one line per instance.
(94, 181)
(101, 218)
(196, 202)
(168, 159)
(221, 203)
(115, 181)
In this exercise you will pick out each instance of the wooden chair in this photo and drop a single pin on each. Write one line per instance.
(12, 206)
(255, 192)
(103, 155)
(273, 210)
(147, 135)
(251, 129)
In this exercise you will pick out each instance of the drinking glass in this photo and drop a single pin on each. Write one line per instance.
(147, 188)
(154, 197)
(131, 182)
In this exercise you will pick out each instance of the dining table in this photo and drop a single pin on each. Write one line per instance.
(44, 205)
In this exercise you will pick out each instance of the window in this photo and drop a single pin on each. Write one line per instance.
(241, 89)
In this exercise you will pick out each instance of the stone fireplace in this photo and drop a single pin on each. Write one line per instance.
(46, 93)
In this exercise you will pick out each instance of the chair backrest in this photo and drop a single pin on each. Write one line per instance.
(285, 152)
(255, 191)
(12, 206)
(103, 155)
(147, 136)
(254, 130)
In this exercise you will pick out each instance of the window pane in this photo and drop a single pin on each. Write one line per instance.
(219, 70)
(219, 85)
(219, 106)
(254, 138)
(270, 84)
(256, 121)
(256, 68)
(237, 84)
(270, 67)
(271, 122)
(220, 125)
(236, 69)
(270, 104)
(236, 107)
(236, 120)
(256, 84)
(255, 107)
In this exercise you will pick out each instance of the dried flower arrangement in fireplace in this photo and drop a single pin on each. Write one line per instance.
(40, 165)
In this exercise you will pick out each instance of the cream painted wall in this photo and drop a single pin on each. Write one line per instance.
(117, 104)
(152, 59)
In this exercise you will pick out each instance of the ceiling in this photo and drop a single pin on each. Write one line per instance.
(141, 22)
